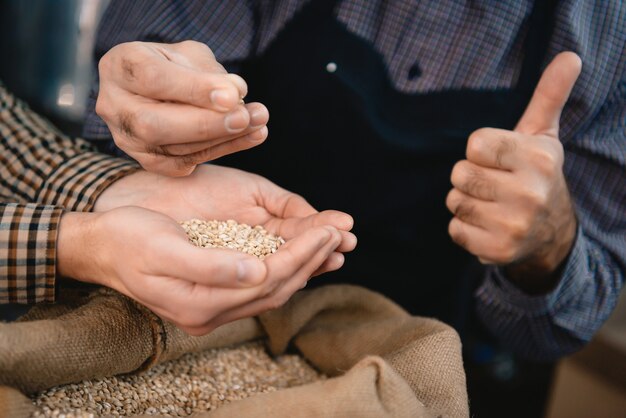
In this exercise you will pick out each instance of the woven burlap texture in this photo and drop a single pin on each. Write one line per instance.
(384, 362)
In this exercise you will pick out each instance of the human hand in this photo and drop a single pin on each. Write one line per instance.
(214, 192)
(510, 199)
(173, 106)
(146, 255)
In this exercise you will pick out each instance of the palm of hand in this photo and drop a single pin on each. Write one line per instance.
(214, 192)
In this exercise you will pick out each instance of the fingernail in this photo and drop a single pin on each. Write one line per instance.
(258, 136)
(258, 117)
(250, 271)
(236, 121)
(221, 99)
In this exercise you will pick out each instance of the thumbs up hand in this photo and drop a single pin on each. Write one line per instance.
(510, 200)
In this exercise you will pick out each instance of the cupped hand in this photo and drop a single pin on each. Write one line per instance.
(173, 106)
(510, 199)
(214, 192)
(146, 256)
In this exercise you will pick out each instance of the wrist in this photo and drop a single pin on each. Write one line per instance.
(132, 190)
(76, 246)
(540, 273)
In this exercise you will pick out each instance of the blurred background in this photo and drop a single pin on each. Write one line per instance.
(45, 50)
(45, 58)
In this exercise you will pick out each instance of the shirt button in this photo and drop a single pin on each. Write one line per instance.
(414, 72)
(331, 67)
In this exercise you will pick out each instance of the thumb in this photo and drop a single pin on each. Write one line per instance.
(544, 110)
(219, 267)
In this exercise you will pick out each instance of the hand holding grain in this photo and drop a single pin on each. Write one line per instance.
(147, 256)
(510, 200)
(173, 106)
(214, 192)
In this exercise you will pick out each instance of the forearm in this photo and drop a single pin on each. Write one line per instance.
(41, 165)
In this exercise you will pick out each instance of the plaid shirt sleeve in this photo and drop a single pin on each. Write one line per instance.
(42, 173)
(561, 322)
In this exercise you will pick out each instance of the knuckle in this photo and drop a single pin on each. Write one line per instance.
(196, 46)
(206, 127)
(475, 183)
(518, 229)
(144, 125)
(465, 211)
(458, 174)
(148, 73)
(506, 254)
(126, 124)
(452, 200)
(538, 201)
(104, 65)
(502, 147)
(457, 233)
(476, 142)
(102, 107)
(545, 161)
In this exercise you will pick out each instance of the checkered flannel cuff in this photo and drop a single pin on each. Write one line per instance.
(77, 182)
(28, 236)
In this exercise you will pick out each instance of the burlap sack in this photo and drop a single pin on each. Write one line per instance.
(386, 362)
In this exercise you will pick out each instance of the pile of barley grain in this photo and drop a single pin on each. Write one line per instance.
(197, 381)
(229, 234)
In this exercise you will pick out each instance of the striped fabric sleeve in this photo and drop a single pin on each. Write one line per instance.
(548, 326)
(42, 173)
(27, 252)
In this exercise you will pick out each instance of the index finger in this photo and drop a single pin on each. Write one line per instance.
(151, 75)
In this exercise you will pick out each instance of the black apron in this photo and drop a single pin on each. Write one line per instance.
(347, 140)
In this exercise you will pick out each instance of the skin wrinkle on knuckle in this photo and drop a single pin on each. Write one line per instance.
(476, 184)
(205, 127)
(148, 75)
(125, 121)
(184, 162)
(128, 69)
(466, 212)
(145, 124)
(503, 147)
(157, 150)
